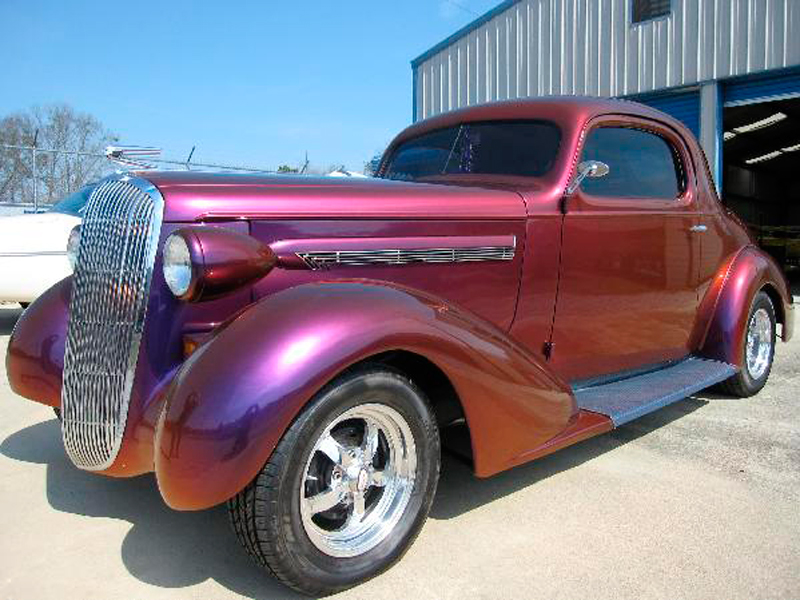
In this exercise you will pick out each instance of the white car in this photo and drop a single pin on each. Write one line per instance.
(33, 248)
(345, 173)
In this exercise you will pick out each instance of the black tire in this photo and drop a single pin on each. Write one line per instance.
(57, 410)
(24, 305)
(744, 384)
(266, 515)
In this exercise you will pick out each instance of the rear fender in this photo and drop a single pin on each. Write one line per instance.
(727, 303)
(235, 397)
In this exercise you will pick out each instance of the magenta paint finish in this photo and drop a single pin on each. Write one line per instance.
(488, 289)
(749, 272)
(203, 197)
(234, 398)
(223, 261)
(35, 355)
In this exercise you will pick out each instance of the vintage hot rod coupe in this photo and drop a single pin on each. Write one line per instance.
(533, 272)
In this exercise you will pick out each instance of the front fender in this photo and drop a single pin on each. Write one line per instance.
(236, 396)
(35, 357)
(730, 296)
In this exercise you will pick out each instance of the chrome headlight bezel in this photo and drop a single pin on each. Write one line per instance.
(178, 267)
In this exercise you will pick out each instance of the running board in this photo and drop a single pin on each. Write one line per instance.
(628, 399)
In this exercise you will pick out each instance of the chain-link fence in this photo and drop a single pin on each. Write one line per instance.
(35, 178)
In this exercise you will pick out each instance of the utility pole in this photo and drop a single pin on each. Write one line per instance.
(35, 175)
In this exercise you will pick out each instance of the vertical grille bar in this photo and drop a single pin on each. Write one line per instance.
(110, 289)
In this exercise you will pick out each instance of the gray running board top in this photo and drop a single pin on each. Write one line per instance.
(628, 399)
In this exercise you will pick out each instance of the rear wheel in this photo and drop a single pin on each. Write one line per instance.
(348, 487)
(758, 350)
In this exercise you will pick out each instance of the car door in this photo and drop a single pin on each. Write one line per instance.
(629, 269)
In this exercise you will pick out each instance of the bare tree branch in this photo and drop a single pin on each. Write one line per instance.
(62, 128)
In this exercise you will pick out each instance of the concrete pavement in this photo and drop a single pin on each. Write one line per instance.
(699, 500)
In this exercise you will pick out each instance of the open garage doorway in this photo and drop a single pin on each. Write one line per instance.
(761, 177)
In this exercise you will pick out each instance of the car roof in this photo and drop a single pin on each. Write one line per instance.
(561, 109)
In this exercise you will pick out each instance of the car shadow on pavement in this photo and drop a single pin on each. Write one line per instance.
(9, 318)
(173, 549)
(163, 547)
(460, 491)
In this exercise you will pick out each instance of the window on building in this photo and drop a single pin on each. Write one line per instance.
(644, 10)
(526, 148)
(641, 164)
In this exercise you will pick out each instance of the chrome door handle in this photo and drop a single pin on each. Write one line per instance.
(698, 228)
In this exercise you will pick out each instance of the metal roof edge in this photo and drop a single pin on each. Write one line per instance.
(468, 28)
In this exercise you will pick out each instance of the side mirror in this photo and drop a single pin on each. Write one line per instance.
(588, 168)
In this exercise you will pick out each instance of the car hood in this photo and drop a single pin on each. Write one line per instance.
(201, 196)
(31, 234)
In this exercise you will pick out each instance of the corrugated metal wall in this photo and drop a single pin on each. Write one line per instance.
(544, 47)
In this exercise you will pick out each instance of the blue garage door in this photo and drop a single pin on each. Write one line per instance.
(776, 85)
(684, 106)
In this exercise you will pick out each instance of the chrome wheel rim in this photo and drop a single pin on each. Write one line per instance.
(759, 343)
(358, 480)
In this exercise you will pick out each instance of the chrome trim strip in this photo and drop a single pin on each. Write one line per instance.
(325, 259)
(28, 254)
(110, 292)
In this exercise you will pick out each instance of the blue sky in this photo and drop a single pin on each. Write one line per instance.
(255, 83)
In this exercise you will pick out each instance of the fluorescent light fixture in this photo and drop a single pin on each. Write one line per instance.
(763, 157)
(771, 120)
(728, 135)
(773, 154)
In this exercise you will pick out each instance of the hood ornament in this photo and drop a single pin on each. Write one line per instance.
(134, 157)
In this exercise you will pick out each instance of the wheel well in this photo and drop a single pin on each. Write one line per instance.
(440, 393)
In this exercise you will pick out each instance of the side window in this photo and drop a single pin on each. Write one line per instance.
(641, 164)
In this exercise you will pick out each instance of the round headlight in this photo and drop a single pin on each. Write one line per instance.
(177, 265)
(73, 241)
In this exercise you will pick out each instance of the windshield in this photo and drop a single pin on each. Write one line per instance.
(524, 148)
(74, 204)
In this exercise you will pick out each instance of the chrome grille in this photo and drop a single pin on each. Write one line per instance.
(325, 259)
(110, 289)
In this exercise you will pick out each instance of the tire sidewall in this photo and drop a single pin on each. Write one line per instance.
(376, 386)
(752, 385)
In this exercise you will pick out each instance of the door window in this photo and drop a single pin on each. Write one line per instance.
(641, 164)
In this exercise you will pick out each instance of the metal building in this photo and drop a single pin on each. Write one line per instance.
(718, 65)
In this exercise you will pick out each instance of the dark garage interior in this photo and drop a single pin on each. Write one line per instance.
(761, 182)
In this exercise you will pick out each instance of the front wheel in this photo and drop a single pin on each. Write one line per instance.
(758, 350)
(348, 487)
